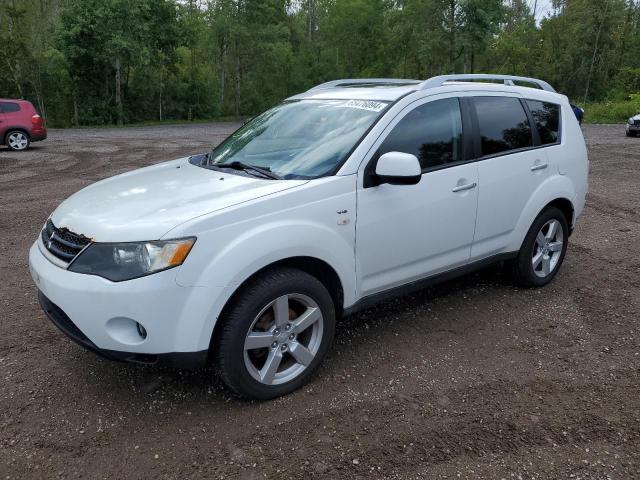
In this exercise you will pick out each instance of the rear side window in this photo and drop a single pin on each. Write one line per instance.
(432, 132)
(546, 116)
(503, 125)
(9, 107)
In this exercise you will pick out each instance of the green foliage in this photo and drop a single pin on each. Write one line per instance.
(106, 62)
(613, 111)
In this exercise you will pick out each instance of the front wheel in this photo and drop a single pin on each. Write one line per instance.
(543, 249)
(275, 334)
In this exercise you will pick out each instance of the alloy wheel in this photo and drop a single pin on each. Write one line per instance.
(18, 141)
(283, 339)
(547, 248)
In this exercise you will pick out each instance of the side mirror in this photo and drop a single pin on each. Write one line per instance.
(398, 168)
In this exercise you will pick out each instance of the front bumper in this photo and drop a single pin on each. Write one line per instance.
(103, 316)
(182, 360)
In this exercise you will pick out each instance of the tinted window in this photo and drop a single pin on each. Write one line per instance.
(547, 119)
(9, 107)
(432, 132)
(503, 124)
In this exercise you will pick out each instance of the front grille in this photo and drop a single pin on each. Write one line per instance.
(636, 122)
(62, 243)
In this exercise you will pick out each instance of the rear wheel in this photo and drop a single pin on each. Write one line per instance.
(543, 249)
(275, 334)
(17, 140)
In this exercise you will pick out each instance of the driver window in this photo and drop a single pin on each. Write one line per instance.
(432, 132)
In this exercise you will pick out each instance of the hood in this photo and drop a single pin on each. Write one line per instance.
(635, 117)
(145, 204)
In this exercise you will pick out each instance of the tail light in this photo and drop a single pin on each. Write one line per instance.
(36, 121)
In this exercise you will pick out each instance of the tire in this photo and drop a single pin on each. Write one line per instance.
(294, 340)
(17, 140)
(539, 259)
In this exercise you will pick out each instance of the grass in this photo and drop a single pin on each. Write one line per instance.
(612, 111)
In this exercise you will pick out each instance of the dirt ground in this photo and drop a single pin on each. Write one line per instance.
(472, 379)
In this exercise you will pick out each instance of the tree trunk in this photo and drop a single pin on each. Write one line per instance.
(119, 110)
(16, 77)
(76, 123)
(473, 60)
(310, 13)
(237, 85)
(625, 31)
(160, 105)
(595, 51)
(223, 72)
(452, 36)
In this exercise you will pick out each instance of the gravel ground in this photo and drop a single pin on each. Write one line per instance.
(471, 379)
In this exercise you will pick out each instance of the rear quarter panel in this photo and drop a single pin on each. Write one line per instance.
(573, 158)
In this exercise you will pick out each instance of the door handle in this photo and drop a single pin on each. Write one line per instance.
(539, 166)
(461, 188)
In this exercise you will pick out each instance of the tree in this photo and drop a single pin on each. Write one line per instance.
(118, 61)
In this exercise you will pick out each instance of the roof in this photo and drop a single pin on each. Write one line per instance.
(391, 89)
(382, 93)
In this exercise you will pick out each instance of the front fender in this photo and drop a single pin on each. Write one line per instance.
(317, 220)
(255, 249)
(553, 188)
(252, 250)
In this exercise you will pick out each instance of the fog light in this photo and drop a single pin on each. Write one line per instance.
(141, 331)
(126, 331)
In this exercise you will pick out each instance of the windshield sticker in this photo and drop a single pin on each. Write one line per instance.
(366, 105)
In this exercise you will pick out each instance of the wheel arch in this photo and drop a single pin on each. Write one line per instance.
(557, 191)
(10, 130)
(315, 267)
(566, 207)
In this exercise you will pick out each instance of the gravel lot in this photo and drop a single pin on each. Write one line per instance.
(472, 379)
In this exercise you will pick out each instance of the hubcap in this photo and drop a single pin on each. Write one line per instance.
(547, 248)
(18, 141)
(283, 340)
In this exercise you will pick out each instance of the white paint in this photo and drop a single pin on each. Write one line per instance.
(374, 238)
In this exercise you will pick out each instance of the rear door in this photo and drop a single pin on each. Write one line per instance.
(511, 167)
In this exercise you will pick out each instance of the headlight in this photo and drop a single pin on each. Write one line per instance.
(125, 261)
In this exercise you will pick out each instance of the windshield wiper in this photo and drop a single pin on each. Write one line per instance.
(236, 165)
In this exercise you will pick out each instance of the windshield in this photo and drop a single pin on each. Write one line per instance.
(299, 139)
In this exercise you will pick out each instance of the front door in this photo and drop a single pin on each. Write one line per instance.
(408, 232)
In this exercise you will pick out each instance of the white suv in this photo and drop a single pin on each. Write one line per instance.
(344, 195)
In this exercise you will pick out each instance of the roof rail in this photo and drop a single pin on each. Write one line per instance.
(354, 82)
(507, 79)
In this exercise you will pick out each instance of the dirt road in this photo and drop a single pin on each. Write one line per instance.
(471, 379)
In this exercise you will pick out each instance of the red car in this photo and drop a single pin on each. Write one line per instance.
(20, 124)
